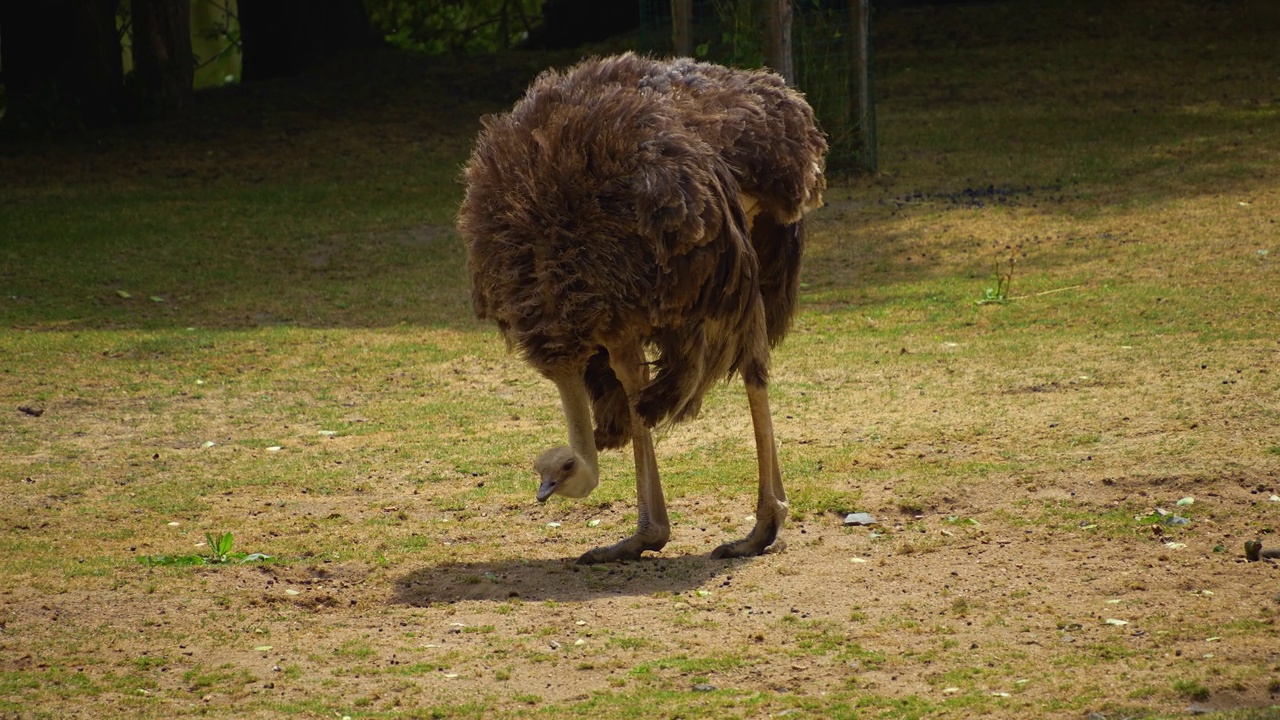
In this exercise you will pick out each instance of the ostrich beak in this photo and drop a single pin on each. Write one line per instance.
(546, 489)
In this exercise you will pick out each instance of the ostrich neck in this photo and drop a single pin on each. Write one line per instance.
(577, 413)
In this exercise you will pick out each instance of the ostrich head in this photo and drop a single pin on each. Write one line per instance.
(564, 473)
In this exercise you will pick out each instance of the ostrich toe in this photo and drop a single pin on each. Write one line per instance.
(628, 549)
(763, 538)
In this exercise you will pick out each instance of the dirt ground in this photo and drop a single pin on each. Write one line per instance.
(1031, 620)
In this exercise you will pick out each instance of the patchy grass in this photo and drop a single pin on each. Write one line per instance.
(264, 331)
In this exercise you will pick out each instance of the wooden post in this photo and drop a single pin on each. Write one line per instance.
(777, 49)
(866, 108)
(682, 28)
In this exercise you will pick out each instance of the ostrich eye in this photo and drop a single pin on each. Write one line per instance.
(568, 465)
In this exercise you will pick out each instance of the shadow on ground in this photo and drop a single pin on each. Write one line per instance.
(560, 580)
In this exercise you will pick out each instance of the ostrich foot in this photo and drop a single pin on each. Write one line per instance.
(763, 539)
(629, 549)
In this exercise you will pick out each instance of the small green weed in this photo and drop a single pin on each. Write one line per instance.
(219, 552)
(1003, 273)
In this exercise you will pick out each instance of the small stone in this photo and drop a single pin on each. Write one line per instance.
(859, 519)
(703, 687)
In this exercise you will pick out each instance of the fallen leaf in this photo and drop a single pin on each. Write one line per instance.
(262, 648)
(1117, 623)
(124, 294)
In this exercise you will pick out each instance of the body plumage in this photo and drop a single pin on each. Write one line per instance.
(637, 207)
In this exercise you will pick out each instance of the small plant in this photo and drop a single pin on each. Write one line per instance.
(1003, 273)
(219, 552)
(220, 546)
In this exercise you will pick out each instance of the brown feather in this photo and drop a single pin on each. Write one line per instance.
(609, 202)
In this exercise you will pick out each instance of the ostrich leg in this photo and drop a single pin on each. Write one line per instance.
(653, 528)
(771, 505)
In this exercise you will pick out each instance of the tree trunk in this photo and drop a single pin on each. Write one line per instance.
(62, 64)
(281, 38)
(162, 59)
(777, 46)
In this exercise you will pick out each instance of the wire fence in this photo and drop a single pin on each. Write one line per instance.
(825, 56)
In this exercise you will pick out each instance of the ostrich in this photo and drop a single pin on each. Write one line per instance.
(629, 207)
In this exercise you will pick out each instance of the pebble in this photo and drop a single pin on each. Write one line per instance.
(859, 519)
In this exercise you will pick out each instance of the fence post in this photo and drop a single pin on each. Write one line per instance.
(682, 28)
(866, 108)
